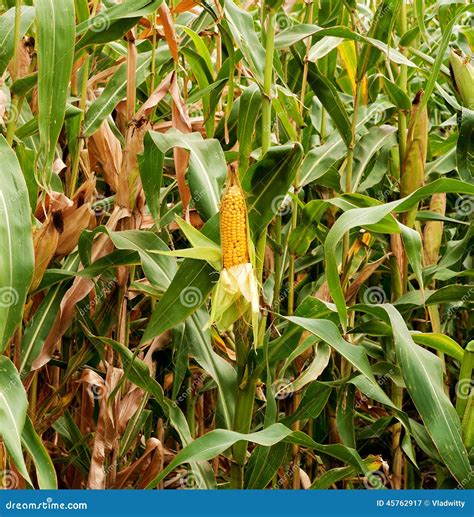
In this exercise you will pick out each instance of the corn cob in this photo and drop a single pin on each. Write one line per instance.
(433, 232)
(462, 73)
(413, 166)
(234, 236)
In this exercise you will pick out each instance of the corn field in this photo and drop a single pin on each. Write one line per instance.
(236, 244)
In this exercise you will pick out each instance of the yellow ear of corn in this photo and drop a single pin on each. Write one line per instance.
(234, 236)
(413, 166)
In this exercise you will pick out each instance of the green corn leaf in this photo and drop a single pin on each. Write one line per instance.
(16, 242)
(56, 31)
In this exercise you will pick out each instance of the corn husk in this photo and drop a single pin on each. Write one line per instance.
(462, 72)
(413, 166)
(433, 231)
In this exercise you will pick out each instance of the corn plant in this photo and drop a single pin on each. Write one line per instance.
(236, 244)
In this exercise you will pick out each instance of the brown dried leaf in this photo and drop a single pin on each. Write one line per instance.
(105, 154)
(168, 26)
(77, 292)
(106, 433)
(181, 156)
(152, 459)
(364, 275)
(323, 293)
(45, 241)
(23, 61)
(154, 99)
(76, 218)
(185, 6)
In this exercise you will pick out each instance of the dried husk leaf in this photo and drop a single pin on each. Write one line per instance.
(105, 154)
(76, 218)
(45, 242)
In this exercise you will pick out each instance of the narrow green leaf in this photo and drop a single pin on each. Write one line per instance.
(365, 149)
(112, 23)
(439, 342)
(329, 333)
(241, 25)
(32, 443)
(249, 109)
(423, 375)
(329, 97)
(16, 243)
(267, 181)
(13, 406)
(113, 93)
(56, 30)
(39, 327)
(159, 269)
(207, 167)
(186, 293)
(218, 368)
(151, 173)
(216, 442)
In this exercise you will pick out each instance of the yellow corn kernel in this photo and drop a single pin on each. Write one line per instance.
(234, 237)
